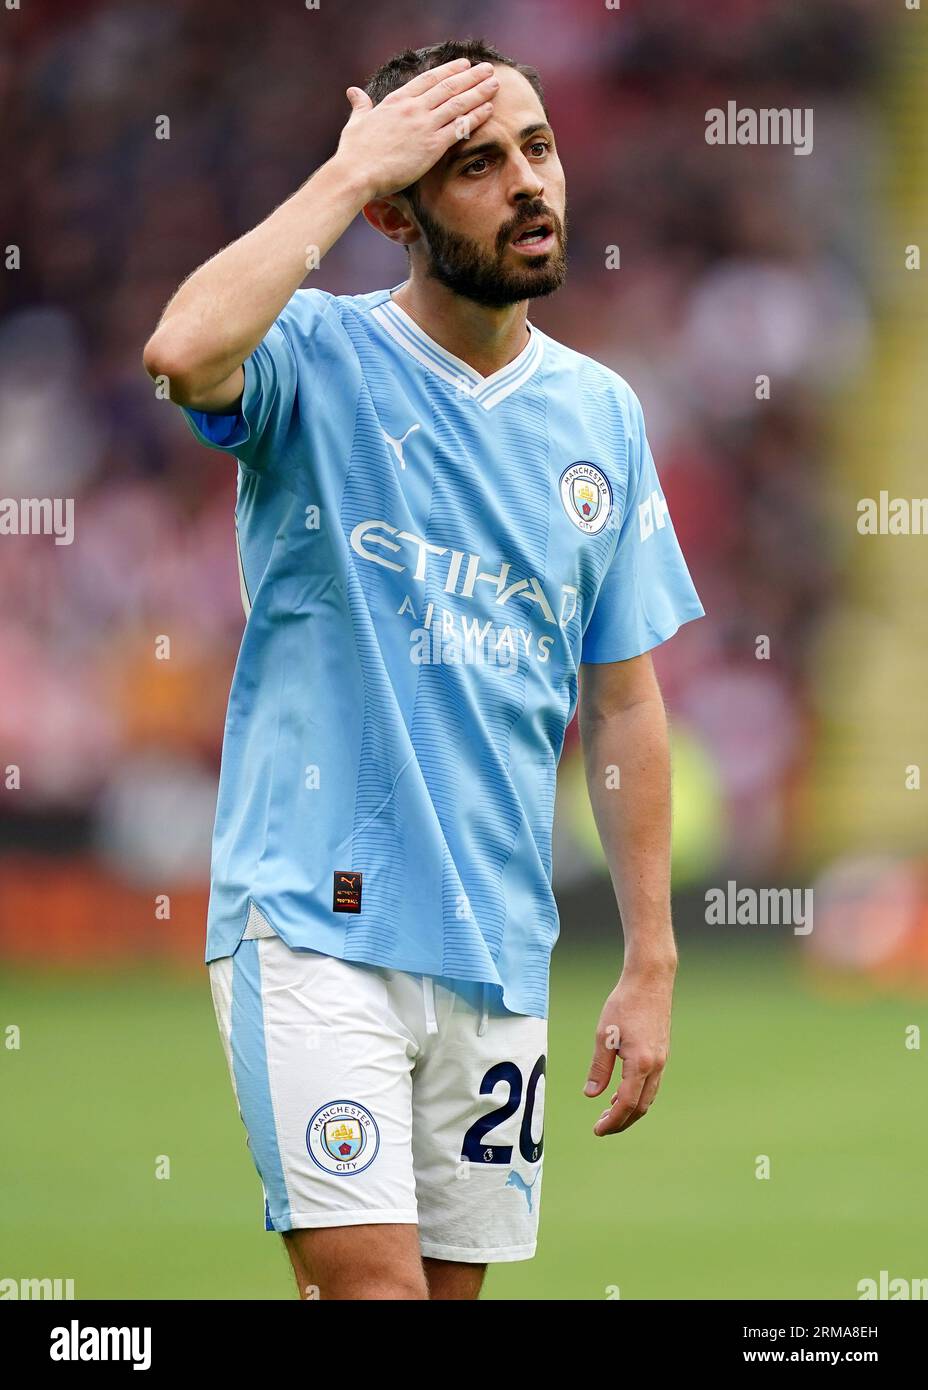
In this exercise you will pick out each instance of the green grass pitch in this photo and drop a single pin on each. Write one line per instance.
(115, 1070)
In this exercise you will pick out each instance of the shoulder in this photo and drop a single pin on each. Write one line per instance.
(306, 310)
(591, 385)
(318, 312)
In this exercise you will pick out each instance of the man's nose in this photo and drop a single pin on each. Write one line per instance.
(527, 182)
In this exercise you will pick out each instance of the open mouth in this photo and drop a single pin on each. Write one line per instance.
(536, 236)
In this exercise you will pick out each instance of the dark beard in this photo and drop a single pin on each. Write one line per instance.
(464, 267)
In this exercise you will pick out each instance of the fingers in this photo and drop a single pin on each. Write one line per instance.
(426, 80)
(648, 1091)
(458, 84)
(457, 96)
(458, 111)
(645, 1101)
(623, 1107)
(463, 127)
(460, 116)
(423, 83)
(631, 1101)
(601, 1068)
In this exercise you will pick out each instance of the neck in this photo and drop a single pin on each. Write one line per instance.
(486, 339)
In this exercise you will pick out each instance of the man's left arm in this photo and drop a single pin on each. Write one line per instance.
(623, 731)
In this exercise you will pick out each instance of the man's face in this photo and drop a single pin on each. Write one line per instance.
(487, 191)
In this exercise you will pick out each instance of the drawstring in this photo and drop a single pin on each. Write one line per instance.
(428, 999)
(428, 996)
(484, 1011)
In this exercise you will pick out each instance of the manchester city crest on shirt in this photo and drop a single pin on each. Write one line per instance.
(342, 1137)
(587, 496)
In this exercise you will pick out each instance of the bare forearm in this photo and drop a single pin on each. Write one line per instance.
(221, 313)
(623, 729)
(219, 316)
(627, 761)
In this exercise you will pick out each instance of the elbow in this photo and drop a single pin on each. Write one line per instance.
(160, 357)
(166, 361)
(155, 356)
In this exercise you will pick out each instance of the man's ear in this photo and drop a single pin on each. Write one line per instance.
(393, 218)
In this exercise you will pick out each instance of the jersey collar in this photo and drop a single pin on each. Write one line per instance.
(487, 391)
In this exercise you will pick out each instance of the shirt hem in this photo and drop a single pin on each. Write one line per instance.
(435, 970)
(645, 644)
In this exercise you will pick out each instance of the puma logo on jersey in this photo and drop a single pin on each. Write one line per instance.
(397, 444)
(346, 891)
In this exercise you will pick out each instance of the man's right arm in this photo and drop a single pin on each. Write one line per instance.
(224, 310)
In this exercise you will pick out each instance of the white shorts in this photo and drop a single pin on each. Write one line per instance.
(376, 1096)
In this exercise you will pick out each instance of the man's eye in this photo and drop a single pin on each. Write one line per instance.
(542, 145)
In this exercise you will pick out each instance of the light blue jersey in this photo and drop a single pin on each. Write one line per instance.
(426, 557)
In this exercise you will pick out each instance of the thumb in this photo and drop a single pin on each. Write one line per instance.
(601, 1068)
(360, 101)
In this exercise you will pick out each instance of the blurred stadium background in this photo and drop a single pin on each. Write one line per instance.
(790, 771)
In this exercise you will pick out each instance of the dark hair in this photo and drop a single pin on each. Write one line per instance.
(402, 67)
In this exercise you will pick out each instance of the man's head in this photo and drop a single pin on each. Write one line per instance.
(462, 217)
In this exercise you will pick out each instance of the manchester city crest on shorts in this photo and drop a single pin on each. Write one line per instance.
(587, 496)
(342, 1137)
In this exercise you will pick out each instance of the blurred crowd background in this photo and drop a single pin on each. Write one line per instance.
(734, 261)
(796, 764)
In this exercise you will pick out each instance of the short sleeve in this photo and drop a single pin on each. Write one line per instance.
(282, 365)
(647, 592)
